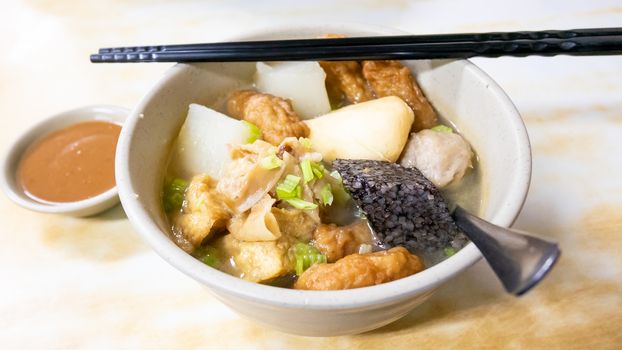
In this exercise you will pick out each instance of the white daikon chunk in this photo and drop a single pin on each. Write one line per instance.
(301, 82)
(201, 145)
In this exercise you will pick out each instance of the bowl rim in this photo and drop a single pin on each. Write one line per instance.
(373, 296)
(88, 206)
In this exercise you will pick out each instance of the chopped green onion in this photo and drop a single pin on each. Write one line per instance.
(291, 181)
(307, 255)
(318, 170)
(301, 204)
(282, 194)
(326, 195)
(311, 169)
(442, 128)
(300, 266)
(289, 188)
(318, 173)
(449, 251)
(271, 162)
(208, 255)
(306, 143)
(335, 175)
(173, 196)
(254, 132)
(307, 171)
(339, 192)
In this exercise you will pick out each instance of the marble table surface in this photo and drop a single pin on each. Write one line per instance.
(92, 283)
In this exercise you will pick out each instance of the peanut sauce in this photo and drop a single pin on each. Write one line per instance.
(70, 164)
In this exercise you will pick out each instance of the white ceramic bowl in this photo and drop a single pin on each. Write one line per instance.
(85, 207)
(458, 89)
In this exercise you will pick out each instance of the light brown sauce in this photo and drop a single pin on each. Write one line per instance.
(70, 164)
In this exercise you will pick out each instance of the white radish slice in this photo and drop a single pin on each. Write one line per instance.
(301, 82)
(201, 145)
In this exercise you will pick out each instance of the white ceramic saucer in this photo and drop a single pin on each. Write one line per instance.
(8, 168)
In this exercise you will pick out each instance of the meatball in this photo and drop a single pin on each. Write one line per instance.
(441, 157)
(361, 270)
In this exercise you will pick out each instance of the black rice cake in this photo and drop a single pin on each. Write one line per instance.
(403, 207)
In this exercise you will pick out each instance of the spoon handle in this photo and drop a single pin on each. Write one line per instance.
(519, 260)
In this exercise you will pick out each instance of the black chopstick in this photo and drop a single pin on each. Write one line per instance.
(399, 39)
(601, 41)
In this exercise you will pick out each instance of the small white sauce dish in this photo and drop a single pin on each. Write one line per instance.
(9, 166)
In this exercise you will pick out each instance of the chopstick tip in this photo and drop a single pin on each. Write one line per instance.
(96, 58)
